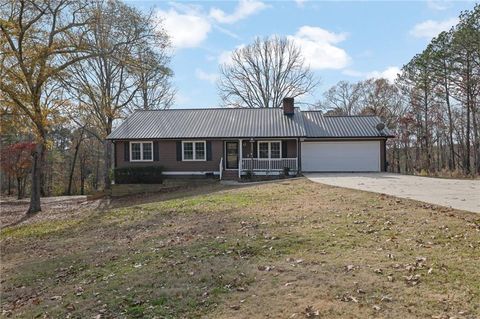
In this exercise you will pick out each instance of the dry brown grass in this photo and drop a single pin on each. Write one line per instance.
(291, 249)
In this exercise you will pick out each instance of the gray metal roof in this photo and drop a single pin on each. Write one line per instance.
(318, 125)
(243, 123)
(210, 123)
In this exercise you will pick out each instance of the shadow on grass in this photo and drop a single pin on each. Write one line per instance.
(24, 218)
(108, 204)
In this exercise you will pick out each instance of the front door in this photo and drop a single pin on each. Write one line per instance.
(232, 155)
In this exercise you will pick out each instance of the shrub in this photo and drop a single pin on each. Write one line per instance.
(248, 174)
(424, 172)
(286, 171)
(139, 175)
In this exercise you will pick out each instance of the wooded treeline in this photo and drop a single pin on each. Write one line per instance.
(433, 107)
(68, 70)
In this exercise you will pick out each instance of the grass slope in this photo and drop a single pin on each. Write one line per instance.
(291, 249)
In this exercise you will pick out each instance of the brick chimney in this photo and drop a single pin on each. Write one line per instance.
(288, 106)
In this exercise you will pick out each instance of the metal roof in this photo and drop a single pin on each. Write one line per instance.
(243, 123)
(318, 125)
(210, 123)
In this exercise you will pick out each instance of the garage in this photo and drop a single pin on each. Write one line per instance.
(341, 156)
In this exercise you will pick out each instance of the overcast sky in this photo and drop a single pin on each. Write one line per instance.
(340, 40)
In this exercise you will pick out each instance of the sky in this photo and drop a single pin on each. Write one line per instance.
(340, 40)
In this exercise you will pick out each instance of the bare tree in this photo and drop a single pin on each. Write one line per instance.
(417, 82)
(108, 84)
(261, 74)
(344, 98)
(381, 98)
(155, 91)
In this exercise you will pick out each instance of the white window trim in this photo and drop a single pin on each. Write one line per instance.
(141, 151)
(269, 149)
(194, 159)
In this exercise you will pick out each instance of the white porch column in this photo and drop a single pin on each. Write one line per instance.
(299, 155)
(240, 156)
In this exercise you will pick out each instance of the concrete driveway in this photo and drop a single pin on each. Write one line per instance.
(455, 193)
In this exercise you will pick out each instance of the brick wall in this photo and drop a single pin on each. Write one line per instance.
(167, 154)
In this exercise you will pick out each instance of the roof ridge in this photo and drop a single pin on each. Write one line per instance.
(213, 108)
(359, 115)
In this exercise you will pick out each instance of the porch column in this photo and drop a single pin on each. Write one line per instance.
(299, 158)
(240, 146)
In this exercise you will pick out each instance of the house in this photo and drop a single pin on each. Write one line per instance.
(231, 142)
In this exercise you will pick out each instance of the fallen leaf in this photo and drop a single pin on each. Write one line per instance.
(386, 299)
(70, 307)
(311, 312)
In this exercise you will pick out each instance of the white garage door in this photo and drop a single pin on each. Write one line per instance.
(361, 156)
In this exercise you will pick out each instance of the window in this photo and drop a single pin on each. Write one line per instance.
(147, 151)
(136, 154)
(269, 149)
(263, 150)
(275, 150)
(200, 150)
(141, 151)
(193, 151)
(187, 151)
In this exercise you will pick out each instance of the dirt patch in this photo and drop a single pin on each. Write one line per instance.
(13, 212)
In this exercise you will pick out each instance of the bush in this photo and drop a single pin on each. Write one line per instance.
(139, 175)
(424, 172)
(286, 171)
(248, 174)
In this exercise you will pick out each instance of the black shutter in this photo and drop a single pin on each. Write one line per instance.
(179, 151)
(126, 151)
(284, 149)
(209, 150)
(156, 155)
(255, 150)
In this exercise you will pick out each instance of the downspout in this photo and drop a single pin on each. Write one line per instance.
(240, 146)
(384, 155)
(299, 157)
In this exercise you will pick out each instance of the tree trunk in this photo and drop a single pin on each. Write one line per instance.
(43, 177)
(476, 142)
(72, 169)
(467, 132)
(108, 155)
(19, 188)
(82, 185)
(451, 162)
(108, 163)
(97, 169)
(82, 175)
(405, 147)
(37, 161)
(428, 161)
(9, 187)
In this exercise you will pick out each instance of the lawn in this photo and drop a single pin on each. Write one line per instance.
(291, 249)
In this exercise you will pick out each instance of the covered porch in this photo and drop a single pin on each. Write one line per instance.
(260, 156)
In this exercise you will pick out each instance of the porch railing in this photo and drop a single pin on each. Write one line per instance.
(269, 164)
